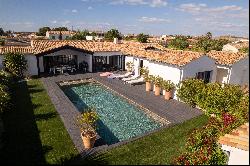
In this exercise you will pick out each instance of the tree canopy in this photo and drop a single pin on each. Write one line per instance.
(180, 42)
(60, 29)
(80, 35)
(206, 44)
(142, 38)
(1, 32)
(42, 31)
(111, 34)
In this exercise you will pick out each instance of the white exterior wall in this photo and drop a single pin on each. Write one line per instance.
(81, 56)
(1, 62)
(49, 36)
(128, 59)
(230, 48)
(201, 64)
(41, 67)
(32, 65)
(240, 72)
(237, 156)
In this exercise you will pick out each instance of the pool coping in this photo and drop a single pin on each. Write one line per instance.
(57, 95)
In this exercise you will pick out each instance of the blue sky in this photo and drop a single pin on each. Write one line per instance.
(188, 17)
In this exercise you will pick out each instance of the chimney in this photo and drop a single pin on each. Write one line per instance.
(32, 42)
(116, 40)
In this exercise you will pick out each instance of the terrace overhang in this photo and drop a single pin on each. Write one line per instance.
(42, 53)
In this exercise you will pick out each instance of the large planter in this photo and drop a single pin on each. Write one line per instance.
(88, 142)
(148, 86)
(168, 95)
(157, 91)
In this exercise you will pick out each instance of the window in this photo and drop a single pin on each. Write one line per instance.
(204, 76)
(141, 63)
(53, 37)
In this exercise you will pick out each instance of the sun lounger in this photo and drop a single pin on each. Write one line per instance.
(112, 76)
(130, 78)
(123, 75)
(139, 80)
(106, 74)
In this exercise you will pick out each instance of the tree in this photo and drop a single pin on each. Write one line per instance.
(42, 31)
(142, 38)
(1, 32)
(80, 35)
(2, 42)
(60, 29)
(180, 42)
(111, 34)
(15, 63)
(209, 35)
(205, 44)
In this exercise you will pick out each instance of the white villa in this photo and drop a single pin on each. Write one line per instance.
(55, 35)
(174, 65)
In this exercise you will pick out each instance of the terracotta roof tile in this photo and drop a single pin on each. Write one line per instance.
(239, 140)
(226, 58)
(161, 54)
(62, 32)
(16, 49)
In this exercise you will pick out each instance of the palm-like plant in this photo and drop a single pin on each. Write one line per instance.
(167, 85)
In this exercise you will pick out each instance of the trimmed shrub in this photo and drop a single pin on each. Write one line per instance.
(4, 98)
(6, 78)
(216, 99)
(15, 63)
(189, 90)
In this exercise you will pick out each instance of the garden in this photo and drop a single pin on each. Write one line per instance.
(34, 133)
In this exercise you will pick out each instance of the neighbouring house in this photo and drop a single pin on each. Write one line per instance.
(56, 35)
(235, 46)
(174, 65)
(236, 145)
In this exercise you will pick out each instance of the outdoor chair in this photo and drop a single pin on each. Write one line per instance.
(136, 81)
(130, 78)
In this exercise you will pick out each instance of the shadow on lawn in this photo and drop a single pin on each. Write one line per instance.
(98, 159)
(22, 141)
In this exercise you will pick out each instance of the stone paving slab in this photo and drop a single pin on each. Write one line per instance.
(173, 111)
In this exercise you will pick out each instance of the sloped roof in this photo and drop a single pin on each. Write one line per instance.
(62, 32)
(238, 138)
(226, 58)
(161, 54)
(16, 49)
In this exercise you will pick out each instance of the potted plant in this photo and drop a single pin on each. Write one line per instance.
(129, 66)
(144, 72)
(87, 124)
(167, 86)
(157, 82)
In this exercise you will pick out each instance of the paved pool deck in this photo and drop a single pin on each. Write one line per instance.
(173, 111)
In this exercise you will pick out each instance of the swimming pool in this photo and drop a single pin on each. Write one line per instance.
(119, 119)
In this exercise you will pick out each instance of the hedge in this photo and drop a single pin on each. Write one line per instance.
(230, 106)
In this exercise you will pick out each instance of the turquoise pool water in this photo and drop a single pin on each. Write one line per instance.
(119, 119)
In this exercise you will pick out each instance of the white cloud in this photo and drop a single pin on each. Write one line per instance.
(90, 8)
(53, 22)
(151, 3)
(158, 3)
(24, 24)
(74, 11)
(153, 20)
(198, 8)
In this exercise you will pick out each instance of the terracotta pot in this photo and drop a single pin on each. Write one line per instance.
(157, 90)
(168, 95)
(88, 142)
(148, 86)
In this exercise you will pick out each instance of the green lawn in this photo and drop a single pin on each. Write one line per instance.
(35, 132)
(36, 135)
